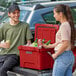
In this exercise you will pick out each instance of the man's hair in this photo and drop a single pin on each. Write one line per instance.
(13, 7)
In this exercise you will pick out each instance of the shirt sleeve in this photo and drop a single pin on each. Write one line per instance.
(29, 34)
(65, 32)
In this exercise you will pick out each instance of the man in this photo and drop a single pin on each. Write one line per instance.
(14, 33)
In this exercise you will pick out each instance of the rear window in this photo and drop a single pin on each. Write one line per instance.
(48, 18)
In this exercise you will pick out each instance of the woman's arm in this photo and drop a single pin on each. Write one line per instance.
(50, 45)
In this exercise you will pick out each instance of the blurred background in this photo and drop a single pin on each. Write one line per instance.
(5, 3)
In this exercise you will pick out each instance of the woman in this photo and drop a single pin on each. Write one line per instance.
(64, 58)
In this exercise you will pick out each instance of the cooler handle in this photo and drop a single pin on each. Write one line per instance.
(28, 52)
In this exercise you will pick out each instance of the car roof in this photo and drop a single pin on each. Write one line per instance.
(36, 6)
(57, 2)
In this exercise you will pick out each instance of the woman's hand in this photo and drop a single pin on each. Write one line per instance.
(54, 56)
(45, 46)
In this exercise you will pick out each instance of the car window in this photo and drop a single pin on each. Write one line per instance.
(48, 18)
(4, 18)
(24, 15)
(73, 10)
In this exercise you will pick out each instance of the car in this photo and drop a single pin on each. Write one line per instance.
(41, 13)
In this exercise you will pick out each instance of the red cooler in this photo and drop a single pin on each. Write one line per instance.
(32, 57)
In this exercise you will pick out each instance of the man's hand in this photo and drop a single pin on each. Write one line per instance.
(5, 45)
(28, 43)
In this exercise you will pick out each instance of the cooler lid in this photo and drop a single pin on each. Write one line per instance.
(46, 31)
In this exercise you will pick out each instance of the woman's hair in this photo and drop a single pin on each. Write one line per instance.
(65, 9)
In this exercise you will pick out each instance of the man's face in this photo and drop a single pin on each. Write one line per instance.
(14, 15)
